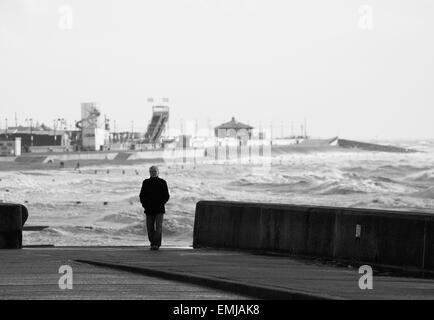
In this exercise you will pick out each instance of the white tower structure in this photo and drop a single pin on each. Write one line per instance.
(94, 134)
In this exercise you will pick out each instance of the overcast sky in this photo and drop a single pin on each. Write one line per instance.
(357, 69)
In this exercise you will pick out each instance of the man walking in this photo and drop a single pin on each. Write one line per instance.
(153, 196)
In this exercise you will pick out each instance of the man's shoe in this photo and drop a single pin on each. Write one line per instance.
(154, 247)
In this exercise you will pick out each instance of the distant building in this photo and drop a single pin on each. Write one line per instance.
(36, 136)
(234, 129)
(95, 139)
(10, 147)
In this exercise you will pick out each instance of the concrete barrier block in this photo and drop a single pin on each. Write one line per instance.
(202, 224)
(428, 260)
(12, 219)
(11, 239)
(321, 231)
(208, 225)
(385, 237)
(284, 229)
(399, 241)
(245, 226)
(226, 225)
(350, 236)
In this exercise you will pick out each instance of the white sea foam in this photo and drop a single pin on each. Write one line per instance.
(103, 208)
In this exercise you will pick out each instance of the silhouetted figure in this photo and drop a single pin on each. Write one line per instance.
(153, 196)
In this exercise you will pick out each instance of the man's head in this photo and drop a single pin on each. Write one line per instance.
(153, 171)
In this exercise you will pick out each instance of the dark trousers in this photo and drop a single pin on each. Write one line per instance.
(154, 225)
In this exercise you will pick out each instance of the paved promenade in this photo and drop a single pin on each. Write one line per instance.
(184, 273)
(34, 274)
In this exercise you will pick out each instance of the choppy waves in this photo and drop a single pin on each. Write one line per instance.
(102, 207)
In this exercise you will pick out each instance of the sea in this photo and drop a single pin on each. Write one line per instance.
(99, 205)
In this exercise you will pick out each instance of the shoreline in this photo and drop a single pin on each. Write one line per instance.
(69, 164)
(51, 161)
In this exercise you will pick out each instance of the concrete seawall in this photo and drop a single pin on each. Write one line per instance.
(381, 237)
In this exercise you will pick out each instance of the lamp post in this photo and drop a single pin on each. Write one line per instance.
(55, 123)
(115, 137)
(31, 132)
(62, 127)
(31, 136)
(54, 130)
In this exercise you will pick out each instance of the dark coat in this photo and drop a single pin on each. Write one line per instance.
(154, 195)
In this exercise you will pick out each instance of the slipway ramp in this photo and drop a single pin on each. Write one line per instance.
(319, 142)
(336, 144)
(305, 146)
(351, 144)
(122, 156)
